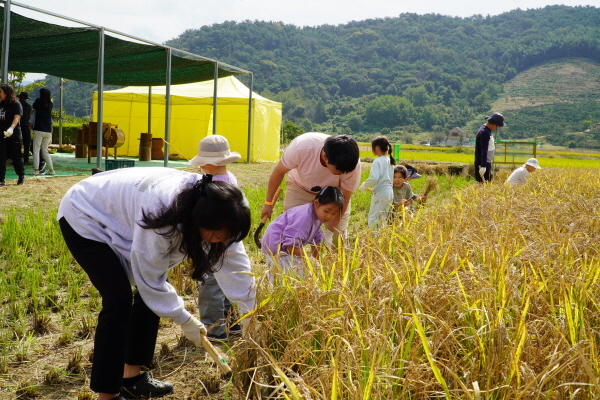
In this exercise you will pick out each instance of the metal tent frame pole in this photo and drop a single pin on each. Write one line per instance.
(216, 79)
(149, 110)
(250, 115)
(5, 42)
(100, 100)
(60, 113)
(168, 108)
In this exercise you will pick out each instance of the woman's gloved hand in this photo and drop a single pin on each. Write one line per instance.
(192, 330)
(9, 132)
(481, 171)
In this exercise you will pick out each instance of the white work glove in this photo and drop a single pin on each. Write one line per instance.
(192, 329)
(363, 186)
(481, 171)
(9, 132)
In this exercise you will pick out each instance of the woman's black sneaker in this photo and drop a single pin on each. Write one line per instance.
(147, 387)
(2, 183)
(21, 180)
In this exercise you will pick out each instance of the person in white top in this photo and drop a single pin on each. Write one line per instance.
(380, 181)
(127, 228)
(520, 175)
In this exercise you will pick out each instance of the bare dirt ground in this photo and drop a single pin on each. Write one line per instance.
(44, 373)
(46, 192)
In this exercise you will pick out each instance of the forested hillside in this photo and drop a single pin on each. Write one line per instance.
(406, 74)
(409, 74)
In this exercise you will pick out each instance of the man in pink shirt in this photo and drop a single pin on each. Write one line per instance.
(316, 159)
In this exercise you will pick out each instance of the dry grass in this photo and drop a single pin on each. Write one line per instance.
(492, 293)
(485, 293)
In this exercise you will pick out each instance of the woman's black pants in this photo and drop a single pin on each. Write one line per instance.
(127, 328)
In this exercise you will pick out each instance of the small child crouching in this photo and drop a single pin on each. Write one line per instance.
(403, 194)
(286, 236)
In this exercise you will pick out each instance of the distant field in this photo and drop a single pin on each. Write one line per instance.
(546, 162)
(565, 80)
(548, 159)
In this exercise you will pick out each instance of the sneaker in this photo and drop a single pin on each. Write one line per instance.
(42, 170)
(51, 172)
(235, 330)
(21, 180)
(146, 387)
(35, 173)
(2, 183)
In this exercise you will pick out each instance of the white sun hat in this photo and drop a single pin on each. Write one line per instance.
(214, 149)
(534, 163)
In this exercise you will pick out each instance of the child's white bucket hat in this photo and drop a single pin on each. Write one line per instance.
(214, 149)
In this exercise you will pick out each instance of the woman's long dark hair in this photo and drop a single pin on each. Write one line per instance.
(10, 94)
(46, 99)
(385, 146)
(209, 205)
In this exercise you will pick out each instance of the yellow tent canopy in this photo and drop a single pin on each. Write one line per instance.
(191, 117)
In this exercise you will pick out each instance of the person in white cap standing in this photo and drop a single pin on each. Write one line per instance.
(216, 311)
(521, 174)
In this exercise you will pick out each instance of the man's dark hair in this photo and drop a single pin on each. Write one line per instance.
(342, 152)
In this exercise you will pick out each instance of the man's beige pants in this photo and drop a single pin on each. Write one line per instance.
(296, 196)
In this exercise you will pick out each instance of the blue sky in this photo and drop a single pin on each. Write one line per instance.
(162, 20)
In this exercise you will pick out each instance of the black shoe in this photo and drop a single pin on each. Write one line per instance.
(2, 183)
(147, 387)
(235, 330)
(43, 170)
(21, 180)
(26, 163)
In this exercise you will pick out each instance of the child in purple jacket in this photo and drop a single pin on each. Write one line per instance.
(299, 226)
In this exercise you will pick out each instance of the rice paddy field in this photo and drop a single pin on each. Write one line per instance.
(464, 155)
(484, 292)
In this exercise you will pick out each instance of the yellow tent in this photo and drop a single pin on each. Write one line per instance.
(191, 117)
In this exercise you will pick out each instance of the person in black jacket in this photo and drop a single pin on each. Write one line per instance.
(485, 147)
(10, 133)
(24, 123)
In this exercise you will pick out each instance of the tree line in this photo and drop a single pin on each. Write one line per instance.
(406, 74)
